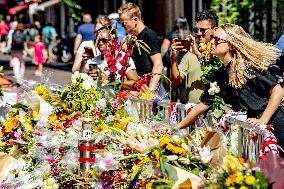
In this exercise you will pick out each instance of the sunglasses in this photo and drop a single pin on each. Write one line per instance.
(217, 40)
(201, 30)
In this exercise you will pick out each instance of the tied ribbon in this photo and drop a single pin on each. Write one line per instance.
(269, 145)
(87, 160)
(173, 113)
(86, 148)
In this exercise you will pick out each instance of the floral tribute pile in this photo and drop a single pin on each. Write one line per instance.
(40, 146)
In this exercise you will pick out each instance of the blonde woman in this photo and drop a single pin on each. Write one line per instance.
(100, 22)
(243, 79)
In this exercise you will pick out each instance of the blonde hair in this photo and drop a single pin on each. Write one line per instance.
(103, 20)
(249, 56)
(131, 9)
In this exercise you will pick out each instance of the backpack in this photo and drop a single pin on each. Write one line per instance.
(18, 41)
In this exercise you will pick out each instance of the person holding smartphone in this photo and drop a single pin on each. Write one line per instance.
(190, 67)
(98, 64)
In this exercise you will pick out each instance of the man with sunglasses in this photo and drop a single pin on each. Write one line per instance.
(131, 19)
(190, 65)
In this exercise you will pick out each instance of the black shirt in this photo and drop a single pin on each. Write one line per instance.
(143, 62)
(253, 98)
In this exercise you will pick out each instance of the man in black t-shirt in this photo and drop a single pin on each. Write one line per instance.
(131, 19)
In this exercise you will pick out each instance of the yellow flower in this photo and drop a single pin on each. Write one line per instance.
(231, 187)
(240, 179)
(243, 187)
(52, 117)
(28, 126)
(8, 126)
(164, 141)
(149, 185)
(232, 163)
(250, 180)
(54, 98)
(101, 127)
(175, 149)
(42, 92)
(230, 180)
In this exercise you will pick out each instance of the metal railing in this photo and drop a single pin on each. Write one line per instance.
(246, 148)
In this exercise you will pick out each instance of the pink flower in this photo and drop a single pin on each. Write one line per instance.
(113, 69)
(106, 54)
(128, 53)
(115, 105)
(97, 113)
(109, 118)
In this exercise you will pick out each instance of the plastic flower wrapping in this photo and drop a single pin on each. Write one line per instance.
(81, 136)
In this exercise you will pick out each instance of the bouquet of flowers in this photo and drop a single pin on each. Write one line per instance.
(237, 174)
(16, 131)
(209, 64)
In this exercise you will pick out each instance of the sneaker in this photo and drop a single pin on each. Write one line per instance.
(38, 73)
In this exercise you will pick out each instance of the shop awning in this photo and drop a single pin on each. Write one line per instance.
(46, 4)
(18, 8)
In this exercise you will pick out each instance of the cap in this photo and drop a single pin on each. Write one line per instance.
(113, 16)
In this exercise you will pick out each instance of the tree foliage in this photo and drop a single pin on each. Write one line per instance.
(254, 16)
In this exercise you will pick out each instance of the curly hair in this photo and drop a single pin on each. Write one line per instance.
(207, 15)
(249, 56)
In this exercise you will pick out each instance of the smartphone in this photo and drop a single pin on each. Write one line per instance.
(183, 42)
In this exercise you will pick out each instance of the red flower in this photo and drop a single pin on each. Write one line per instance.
(122, 62)
(3, 131)
(121, 95)
(113, 69)
(115, 43)
(13, 136)
(119, 55)
(77, 116)
(67, 123)
(120, 72)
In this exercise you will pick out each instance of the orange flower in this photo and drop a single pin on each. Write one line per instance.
(15, 123)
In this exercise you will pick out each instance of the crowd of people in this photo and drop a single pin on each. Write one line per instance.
(20, 41)
(243, 78)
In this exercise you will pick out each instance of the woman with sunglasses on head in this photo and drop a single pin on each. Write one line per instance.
(100, 62)
(244, 80)
(81, 57)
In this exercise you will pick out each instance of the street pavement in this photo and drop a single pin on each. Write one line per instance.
(60, 72)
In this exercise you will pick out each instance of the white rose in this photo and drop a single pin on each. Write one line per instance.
(86, 85)
(172, 157)
(214, 88)
(101, 103)
(184, 146)
(75, 76)
(205, 154)
(184, 160)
